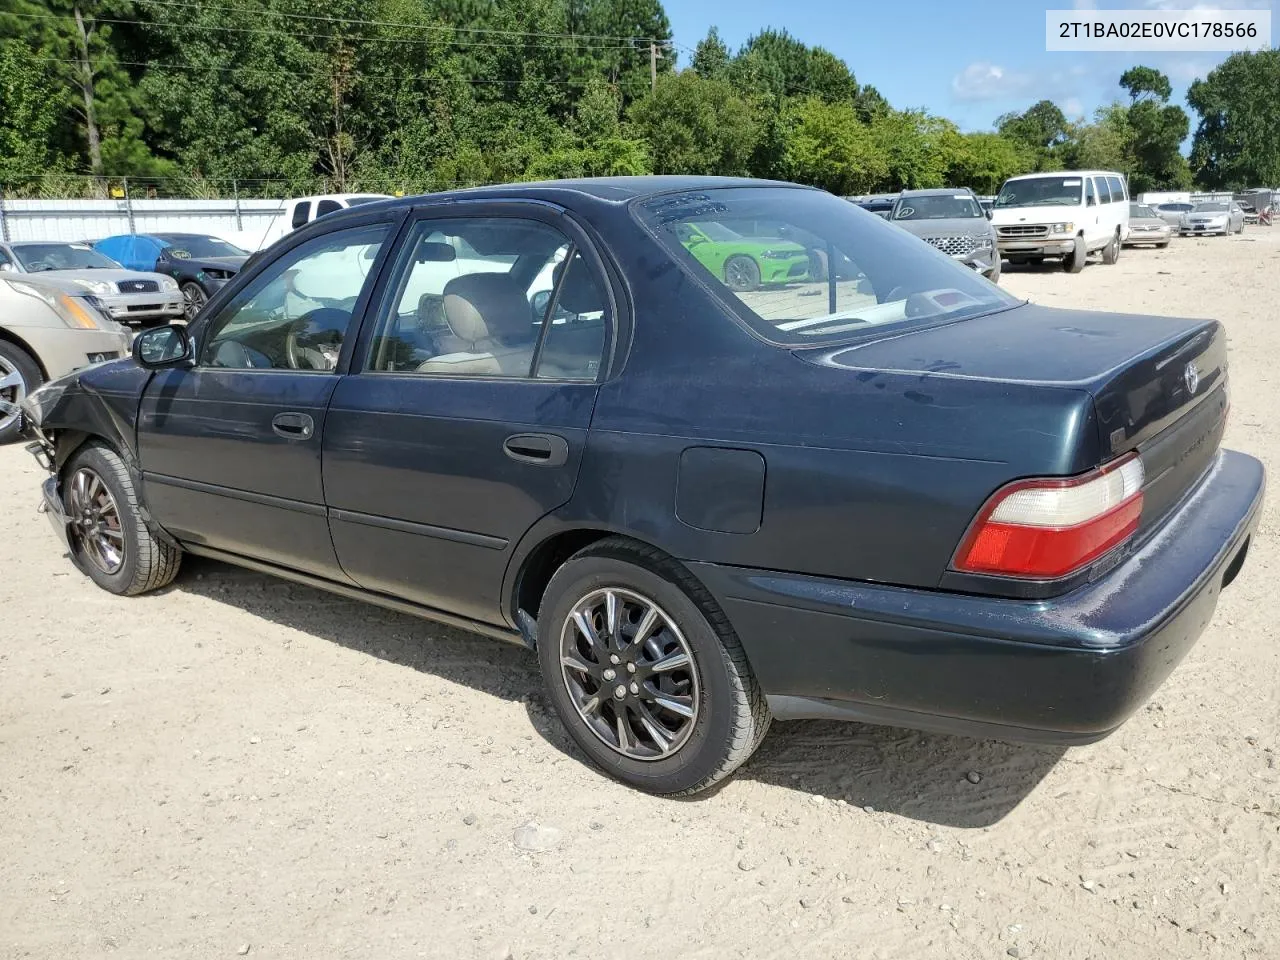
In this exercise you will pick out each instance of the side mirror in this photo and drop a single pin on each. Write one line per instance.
(990, 213)
(8, 267)
(162, 347)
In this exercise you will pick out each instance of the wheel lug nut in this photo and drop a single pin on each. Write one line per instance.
(614, 659)
(619, 692)
(631, 668)
(635, 687)
(609, 674)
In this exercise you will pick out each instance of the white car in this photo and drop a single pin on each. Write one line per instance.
(299, 211)
(1212, 217)
(1067, 214)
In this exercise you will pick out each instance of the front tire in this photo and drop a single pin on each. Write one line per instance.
(741, 274)
(645, 671)
(1073, 262)
(193, 299)
(19, 375)
(110, 542)
(994, 275)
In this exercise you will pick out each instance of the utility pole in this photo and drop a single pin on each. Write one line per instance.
(653, 65)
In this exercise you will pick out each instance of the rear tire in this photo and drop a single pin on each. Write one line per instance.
(193, 299)
(1111, 252)
(721, 715)
(19, 375)
(110, 542)
(1074, 262)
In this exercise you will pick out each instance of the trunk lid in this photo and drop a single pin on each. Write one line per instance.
(1158, 384)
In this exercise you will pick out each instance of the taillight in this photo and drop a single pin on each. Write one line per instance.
(1050, 528)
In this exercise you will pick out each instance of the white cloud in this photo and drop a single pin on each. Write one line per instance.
(983, 80)
(1073, 108)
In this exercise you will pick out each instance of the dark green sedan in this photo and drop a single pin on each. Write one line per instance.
(744, 263)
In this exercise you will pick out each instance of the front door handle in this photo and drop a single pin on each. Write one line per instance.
(293, 426)
(543, 449)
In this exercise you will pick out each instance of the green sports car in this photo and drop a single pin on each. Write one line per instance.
(744, 263)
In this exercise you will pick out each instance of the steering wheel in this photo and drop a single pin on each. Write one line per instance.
(323, 357)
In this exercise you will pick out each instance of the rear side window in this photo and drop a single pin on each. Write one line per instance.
(491, 297)
(1104, 193)
(327, 206)
(1117, 189)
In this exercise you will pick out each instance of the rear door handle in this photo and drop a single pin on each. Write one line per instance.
(543, 449)
(293, 426)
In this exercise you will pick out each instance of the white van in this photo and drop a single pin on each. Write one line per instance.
(1067, 214)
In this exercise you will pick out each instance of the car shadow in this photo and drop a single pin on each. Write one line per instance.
(920, 776)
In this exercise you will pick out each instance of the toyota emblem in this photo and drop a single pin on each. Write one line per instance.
(1191, 377)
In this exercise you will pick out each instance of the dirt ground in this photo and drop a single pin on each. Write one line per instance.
(239, 765)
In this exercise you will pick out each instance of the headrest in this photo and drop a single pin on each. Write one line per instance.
(579, 294)
(479, 306)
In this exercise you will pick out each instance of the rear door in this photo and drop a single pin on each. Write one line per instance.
(230, 448)
(464, 419)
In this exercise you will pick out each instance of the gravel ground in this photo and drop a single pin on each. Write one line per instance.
(238, 765)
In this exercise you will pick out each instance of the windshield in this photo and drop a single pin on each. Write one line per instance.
(1139, 210)
(959, 206)
(38, 257)
(200, 248)
(853, 275)
(1209, 208)
(1041, 192)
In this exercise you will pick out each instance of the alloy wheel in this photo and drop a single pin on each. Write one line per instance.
(630, 673)
(95, 521)
(193, 299)
(12, 390)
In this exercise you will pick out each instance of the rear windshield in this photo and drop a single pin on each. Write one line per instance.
(1210, 208)
(827, 273)
(1041, 192)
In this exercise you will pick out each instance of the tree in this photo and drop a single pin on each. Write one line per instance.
(1042, 127)
(1237, 141)
(829, 147)
(1104, 144)
(711, 56)
(1142, 82)
(693, 125)
(29, 116)
(983, 161)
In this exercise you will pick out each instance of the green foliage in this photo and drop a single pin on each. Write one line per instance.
(272, 97)
(1237, 142)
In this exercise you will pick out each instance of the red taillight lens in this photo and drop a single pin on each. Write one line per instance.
(1050, 528)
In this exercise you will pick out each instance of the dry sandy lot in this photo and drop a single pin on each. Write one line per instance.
(239, 764)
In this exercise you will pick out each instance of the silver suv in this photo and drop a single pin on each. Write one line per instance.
(953, 221)
(127, 296)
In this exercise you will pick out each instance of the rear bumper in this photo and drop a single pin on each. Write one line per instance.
(1066, 670)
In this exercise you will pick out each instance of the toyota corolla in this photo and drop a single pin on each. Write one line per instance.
(896, 495)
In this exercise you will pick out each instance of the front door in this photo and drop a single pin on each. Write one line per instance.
(230, 448)
(467, 416)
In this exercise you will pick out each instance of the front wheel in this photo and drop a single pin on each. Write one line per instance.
(994, 275)
(193, 299)
(1073, 262)
(741, 273)
(645, 671)
(110, 541)
(19, 375)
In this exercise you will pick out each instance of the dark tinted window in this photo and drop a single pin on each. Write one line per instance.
(185, 247)
(301, 213)
(327, 206)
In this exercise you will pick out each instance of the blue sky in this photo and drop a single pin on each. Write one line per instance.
(968, 60)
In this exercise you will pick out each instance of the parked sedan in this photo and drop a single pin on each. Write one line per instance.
(909, 498)
(128, 296)
(47, 333)
(744, 263)
(200, 263)
(1173, 211)
(1213, 217)
(1146, 226)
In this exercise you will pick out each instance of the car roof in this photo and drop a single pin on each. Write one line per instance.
(1069, 173)
(610, 190)
(45, 243)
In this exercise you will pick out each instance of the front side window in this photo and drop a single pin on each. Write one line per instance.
(828, 274)
(491, 297)
(296, 314)
(959, 206)
(1090, 195)
(1042, 192)
(1104, 191)
(1117, 189)
(38, 257)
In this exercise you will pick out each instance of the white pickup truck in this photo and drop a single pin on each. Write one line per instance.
(298, 212)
